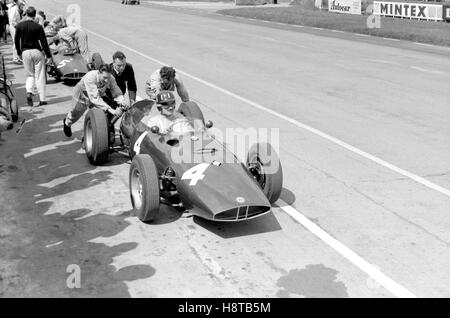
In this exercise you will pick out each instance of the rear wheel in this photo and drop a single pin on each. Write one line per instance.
(191, 110)
(144, 188)
(264, 165)
(14, 110)
(96, 136)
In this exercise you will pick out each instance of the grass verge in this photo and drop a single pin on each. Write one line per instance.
(437, 33)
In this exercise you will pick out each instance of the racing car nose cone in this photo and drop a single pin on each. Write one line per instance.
(240, 200)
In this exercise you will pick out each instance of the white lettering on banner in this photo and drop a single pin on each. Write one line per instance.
(408, 10)
(345, 6)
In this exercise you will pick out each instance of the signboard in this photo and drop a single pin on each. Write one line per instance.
(345, 6)
(409, 10)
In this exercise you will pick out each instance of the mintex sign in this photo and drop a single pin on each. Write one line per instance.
(408, 10)
(345, 6)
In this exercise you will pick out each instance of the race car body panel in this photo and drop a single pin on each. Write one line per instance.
(70, 67)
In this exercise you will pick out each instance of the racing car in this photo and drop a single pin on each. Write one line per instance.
(211, 187)
(70, 66)
(131, 2)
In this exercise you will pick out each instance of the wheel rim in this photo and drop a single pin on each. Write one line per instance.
(88, 137)
(137, 191)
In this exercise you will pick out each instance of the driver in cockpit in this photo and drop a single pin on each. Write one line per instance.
(168, 119)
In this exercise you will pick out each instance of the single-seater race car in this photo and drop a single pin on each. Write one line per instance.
(70, 66)
(189, 167)
(131, 2)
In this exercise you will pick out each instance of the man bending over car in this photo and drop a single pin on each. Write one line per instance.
(168, 120)
(74, 38)
(165, 79)
(90, 91)
(124, 75)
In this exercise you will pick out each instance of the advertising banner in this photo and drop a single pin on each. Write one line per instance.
(345, 6)
(422, 11)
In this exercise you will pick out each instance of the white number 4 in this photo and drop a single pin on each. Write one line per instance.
(195, 174)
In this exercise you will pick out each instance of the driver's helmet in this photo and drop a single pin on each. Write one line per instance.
(165, 98)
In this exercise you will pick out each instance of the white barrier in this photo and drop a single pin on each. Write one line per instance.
(345, 6)
(421, 11)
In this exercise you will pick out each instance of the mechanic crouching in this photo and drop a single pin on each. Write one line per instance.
(89, 92)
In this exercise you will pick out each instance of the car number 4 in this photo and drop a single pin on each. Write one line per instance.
(196, 173)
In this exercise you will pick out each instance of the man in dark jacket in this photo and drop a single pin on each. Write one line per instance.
(30, 41)
(124, 75)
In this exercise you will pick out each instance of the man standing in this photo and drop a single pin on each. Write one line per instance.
(124, 75)
(14, 19)
(165, 79)
(90, 91)
(30, 41)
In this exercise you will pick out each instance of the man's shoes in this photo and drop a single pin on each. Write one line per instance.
(42, 103)
(29, 99)
(67, 129)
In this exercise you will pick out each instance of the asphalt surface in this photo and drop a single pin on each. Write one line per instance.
(364, 136)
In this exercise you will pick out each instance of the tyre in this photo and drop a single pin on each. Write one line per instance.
(191, 111)
(96, 136)
(14, 110)
(97, 60)
(264, 165)
(144, 188)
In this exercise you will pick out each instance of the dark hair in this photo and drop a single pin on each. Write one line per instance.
(167, 72)
(30, 12)
(119, 55)
(105, 68)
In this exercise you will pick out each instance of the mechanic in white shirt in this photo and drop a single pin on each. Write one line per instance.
(90, 91)
(74, 37)
(165, 79)
(168, 119)
(14, 19)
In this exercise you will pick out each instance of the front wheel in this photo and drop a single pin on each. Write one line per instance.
(96, 136)
(265, 167)
(144, 188)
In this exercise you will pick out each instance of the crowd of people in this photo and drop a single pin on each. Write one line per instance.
(105, 87)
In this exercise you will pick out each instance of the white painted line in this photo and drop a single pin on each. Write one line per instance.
(337, 31)
(424, 70)
(390, 285)
(315, 131)
(316, 28)
(54, 244)
(423, 44)
(391, 39)
(297, 25)
(364, 35)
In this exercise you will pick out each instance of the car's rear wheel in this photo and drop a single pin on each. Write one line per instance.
(192, 111)
(265, 166)
(14, 110)
(144, 188)
(96, 136)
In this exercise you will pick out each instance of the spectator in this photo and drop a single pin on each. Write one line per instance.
(30, 41)
(14, 19)
(3, 19)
